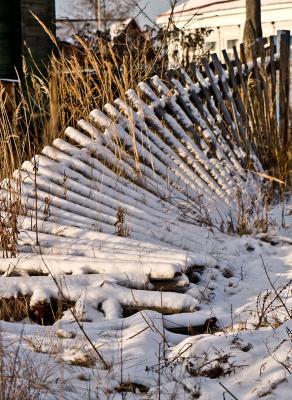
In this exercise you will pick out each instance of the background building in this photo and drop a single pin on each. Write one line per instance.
(227, 18)
(75, 16)
(19, 30)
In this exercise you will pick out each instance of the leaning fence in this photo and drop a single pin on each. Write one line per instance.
(192, 148)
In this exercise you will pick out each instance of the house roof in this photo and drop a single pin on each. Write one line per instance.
(117, 28)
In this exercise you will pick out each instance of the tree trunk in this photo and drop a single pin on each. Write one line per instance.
(253, 25)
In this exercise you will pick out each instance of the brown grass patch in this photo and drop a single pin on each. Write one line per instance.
(43, 313)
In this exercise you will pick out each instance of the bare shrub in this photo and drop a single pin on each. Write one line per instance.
(22, 378)
(10, 209)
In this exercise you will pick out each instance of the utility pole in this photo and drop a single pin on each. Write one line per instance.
(104, 15)
(98, 14)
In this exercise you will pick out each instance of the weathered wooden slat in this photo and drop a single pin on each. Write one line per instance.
(221, 103)
(213, 113)
(238, 101)
(243, 59)
(243, 86)
(273, 77)
(264, 76)
(210, 131)
(229, 95)
(259, 99)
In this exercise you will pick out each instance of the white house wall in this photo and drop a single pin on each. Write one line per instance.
(227, 21)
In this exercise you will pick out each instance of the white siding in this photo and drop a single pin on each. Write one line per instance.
(227, 20)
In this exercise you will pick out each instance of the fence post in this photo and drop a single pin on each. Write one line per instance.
(283, 47)
(53, 124)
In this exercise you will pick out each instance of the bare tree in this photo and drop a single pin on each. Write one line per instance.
(92, 15)
(253, 25)
(107, 11)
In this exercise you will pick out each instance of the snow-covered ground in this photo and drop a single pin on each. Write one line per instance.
(169, 346)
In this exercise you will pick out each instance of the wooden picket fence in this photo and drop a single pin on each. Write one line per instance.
(191, 149)
(251, 97)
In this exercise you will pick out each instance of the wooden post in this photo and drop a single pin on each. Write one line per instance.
(284, 86)
(53, 125)
(253, 25)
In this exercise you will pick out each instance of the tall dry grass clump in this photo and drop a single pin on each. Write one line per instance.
(37, 109)
(78, 78)
(274, 151)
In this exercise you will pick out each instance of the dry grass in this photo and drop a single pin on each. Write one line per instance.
(10, 209)
(83, 359)
(15, 309)
(26, 377)
(273, 151)
(43, 313)
(121, 227)
(38, 109)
